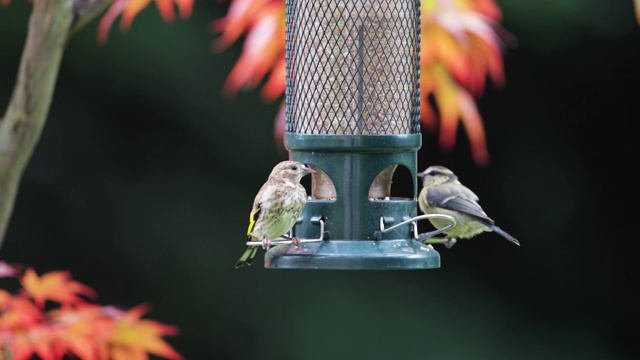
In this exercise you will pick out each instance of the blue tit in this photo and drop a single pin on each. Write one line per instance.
(442, 193)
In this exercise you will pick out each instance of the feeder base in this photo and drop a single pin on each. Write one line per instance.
(354, 255)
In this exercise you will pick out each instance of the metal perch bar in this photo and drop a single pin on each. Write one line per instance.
(414, 225)
(283, 241)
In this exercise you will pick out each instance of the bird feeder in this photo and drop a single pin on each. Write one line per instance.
(353, 115)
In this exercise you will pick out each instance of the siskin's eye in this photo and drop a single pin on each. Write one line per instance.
(294, 168)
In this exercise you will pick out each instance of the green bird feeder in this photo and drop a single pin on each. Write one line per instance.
(353, 114)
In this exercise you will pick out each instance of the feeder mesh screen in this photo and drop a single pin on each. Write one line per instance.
(353, 66)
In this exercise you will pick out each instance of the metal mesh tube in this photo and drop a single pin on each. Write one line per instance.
(353, 67)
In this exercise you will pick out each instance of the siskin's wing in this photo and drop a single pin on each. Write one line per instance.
(247, 257)
(253, 217)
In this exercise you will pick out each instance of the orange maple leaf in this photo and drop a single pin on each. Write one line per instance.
(462, 45)
(130, 8)
(134, 337)
(83, 330)
(19, 347)
(75, 327)
(55, 286)
(17, 313)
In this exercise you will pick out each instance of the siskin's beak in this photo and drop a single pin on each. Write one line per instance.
(421, 175)
(307, 169)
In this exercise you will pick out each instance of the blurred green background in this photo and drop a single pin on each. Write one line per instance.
(145, 174)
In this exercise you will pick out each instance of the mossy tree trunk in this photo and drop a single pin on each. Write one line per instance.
(51, 25)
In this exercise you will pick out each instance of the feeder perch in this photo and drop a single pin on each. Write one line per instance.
(353, 115)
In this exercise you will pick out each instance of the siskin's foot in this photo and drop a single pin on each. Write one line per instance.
(295, 241)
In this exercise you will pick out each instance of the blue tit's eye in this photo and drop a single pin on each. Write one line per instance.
(294, 168)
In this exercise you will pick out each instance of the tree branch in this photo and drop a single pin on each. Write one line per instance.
(51, 24)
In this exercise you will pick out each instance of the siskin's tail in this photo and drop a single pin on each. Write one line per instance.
(247, 257)
(505, 235)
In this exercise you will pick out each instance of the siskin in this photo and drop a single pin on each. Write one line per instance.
(276, 207)
(442, 193)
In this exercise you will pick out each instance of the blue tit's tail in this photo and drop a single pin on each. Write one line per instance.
(505, 235)
(247, 257)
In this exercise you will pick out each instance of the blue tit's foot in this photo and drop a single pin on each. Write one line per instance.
(449, 242)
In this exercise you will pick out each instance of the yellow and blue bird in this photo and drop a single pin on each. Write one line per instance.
(442, 193)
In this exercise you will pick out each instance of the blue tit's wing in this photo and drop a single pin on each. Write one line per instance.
(466, 205)
(456, 198)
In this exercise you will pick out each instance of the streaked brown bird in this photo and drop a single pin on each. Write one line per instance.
(442, 193)
(276, 207)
